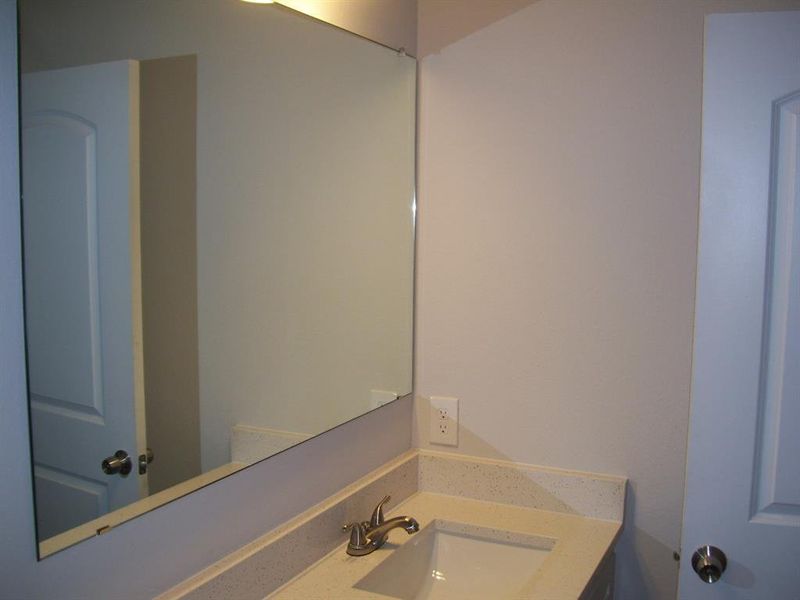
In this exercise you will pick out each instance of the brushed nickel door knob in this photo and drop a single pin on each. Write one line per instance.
(120, 464)
(709, 562)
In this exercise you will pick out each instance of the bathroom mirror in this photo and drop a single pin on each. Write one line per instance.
(218, 225)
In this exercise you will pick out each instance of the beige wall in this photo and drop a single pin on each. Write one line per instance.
(559, 181)
(443, 22)
(169, 267)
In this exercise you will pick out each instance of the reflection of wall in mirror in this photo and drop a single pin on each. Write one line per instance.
(390, 22)
(303, 307)
(169, 267)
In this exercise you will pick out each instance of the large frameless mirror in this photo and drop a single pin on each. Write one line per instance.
(218, 223)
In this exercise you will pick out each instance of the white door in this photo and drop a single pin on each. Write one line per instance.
(80, 145)
(743, 471)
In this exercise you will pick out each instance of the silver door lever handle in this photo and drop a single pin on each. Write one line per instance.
(120, 464)
(709, 562)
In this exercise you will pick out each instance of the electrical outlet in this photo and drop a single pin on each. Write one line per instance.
(444, 421)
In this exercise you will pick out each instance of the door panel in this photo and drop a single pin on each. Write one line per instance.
(777, 494)
(61, 255)
(743, 476)
(65, 500)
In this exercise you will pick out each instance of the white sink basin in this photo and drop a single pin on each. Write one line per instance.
(449, 560)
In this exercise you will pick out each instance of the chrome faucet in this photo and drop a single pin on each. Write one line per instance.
(368, 536)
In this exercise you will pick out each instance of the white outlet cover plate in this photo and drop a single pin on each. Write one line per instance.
(444, 420)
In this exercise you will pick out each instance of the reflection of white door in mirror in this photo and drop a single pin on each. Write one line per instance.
(83, 288)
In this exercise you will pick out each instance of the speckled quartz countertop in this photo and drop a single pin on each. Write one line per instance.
(576, 515)
(579, 546)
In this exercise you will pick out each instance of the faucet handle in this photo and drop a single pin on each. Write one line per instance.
(377, 514)
(358, 535)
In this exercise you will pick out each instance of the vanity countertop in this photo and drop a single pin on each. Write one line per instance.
(577, 516)
(581, 545)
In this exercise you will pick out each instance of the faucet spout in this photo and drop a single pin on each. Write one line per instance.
(379, 533)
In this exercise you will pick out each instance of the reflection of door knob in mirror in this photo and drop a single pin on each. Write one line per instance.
(144, 460)
(709, 562)
(119, 463)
